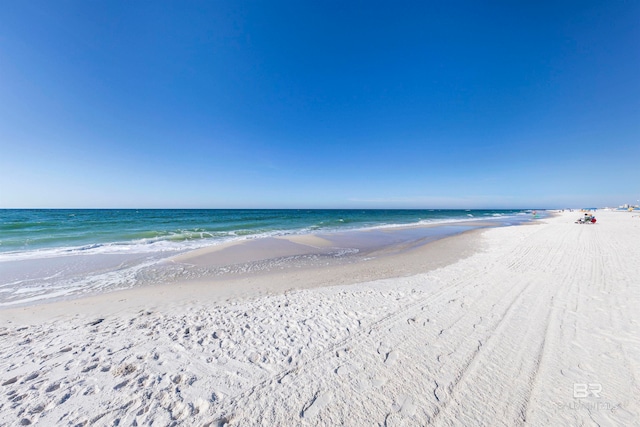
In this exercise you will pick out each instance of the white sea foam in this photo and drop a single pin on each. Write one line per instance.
(72, 282)
(432, 222)
(133, 247)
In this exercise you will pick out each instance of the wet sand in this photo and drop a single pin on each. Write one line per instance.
(281, 273)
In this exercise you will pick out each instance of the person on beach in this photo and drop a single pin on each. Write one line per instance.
(586, 219)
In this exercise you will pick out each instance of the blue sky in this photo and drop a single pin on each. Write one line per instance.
(345, 104)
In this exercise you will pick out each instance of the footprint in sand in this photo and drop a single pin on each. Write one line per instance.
(384, 348)
(53, 387)
(10, 381)
(121, 385)
(89, 368)
(404, 405)
(319, 402)
(344, 370)
(362, 383)
(378, 382)
(439, 392)
(392, 357)
(33, 376)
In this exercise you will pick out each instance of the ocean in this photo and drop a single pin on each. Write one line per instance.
(57, 253)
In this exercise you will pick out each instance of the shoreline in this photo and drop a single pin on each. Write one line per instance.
(28, 281)
(389, 262)
(120, 243)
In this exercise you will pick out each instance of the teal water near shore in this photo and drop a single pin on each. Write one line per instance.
(51, 232)
(59, 254)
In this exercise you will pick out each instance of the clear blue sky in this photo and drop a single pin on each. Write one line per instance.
(341, 104)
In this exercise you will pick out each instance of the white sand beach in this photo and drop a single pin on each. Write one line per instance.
(527, 325)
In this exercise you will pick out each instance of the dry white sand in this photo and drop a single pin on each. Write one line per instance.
(540, 326)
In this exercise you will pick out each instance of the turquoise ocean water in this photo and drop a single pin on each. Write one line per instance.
(47, 232)
(60, 253)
